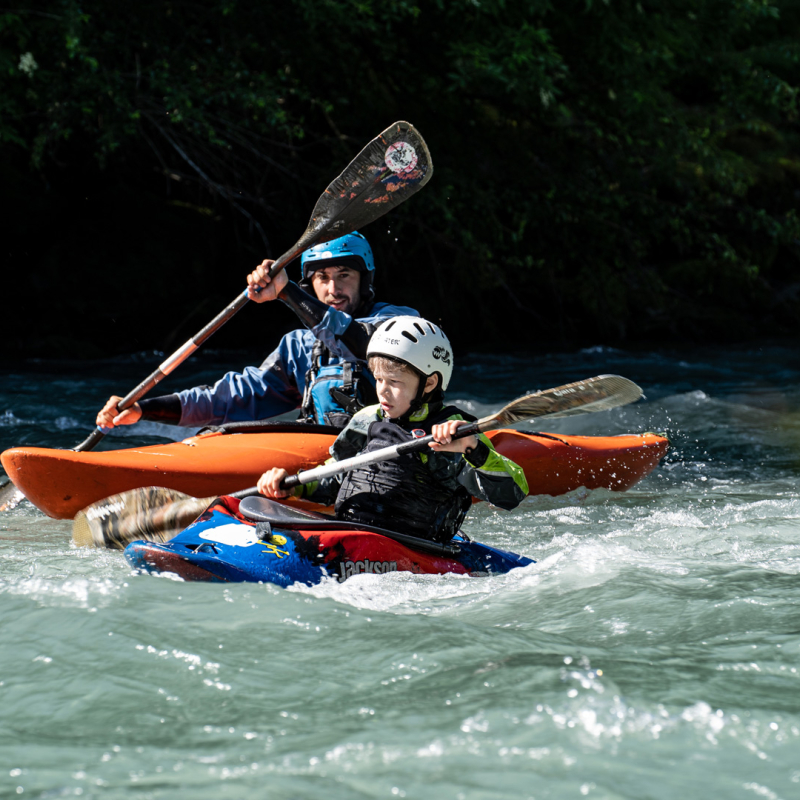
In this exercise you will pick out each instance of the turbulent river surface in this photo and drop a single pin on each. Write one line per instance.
(653, 651)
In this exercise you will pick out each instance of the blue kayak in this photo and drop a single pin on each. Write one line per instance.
(262, 541)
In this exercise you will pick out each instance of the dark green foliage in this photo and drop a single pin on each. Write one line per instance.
(604, 170)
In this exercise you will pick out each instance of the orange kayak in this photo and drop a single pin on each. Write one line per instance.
(62, 482)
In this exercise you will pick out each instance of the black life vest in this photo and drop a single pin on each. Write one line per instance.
(334, 392)
(403, 494)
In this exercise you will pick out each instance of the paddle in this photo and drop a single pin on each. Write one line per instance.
(158, 514)
(593, 394)
(393, 166)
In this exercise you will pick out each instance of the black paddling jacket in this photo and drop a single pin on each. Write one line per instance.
(424, 494)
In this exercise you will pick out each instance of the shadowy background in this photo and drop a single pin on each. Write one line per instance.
(615, 172)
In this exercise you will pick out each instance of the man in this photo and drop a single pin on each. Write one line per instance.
(320, 369)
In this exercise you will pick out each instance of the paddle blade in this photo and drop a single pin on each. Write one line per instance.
(152, 513)
(593, 394)
(393, 166)
(10, 496)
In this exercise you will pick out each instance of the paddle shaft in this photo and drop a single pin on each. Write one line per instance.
(374, 182)
(384, 454)
(348, 464)
(183, 352)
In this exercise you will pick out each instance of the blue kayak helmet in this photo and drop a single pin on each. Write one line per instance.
(351, 250)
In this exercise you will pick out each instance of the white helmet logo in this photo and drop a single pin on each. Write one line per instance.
(400, 157)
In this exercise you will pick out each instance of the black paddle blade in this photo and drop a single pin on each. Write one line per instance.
(593, 394)
(152, 513)
(393, 166)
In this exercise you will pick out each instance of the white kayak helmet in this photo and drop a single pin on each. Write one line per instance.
(416, 342)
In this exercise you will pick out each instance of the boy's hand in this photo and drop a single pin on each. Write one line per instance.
(269, 483)
(443, 434)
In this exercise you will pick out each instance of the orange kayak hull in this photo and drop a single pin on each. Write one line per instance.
(62, 482)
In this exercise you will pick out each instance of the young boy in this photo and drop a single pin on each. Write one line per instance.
(421, 494)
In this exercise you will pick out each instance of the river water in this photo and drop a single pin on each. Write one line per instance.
(652, 652)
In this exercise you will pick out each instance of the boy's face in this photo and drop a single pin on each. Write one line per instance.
(396, 389)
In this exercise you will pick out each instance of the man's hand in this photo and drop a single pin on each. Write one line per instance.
(269, 288)
(269, 483)
(443, 435)
(110, 417)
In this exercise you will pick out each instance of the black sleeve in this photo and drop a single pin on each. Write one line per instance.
(310, 311)
(356, 338)
(477, 455)
(166, 409)
(308, 308)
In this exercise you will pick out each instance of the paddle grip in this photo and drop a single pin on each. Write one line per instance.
(242, 493)
(279, 265)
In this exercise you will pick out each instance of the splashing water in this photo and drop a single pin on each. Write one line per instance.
(652, 652)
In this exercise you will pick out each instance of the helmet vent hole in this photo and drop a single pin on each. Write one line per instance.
(390, 325)
(409, 336)
(419, 328)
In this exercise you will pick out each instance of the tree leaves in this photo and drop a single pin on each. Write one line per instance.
(585, 152)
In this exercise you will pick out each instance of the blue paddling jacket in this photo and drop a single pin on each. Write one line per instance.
(276, 387)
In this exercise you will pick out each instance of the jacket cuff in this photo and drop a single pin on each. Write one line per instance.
(166, 409)
(309, 310)
(476, 456)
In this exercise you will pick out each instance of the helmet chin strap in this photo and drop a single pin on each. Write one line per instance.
(365, 301)
(366, 291)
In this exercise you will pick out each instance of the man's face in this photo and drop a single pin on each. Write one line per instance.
(339, 287)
